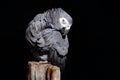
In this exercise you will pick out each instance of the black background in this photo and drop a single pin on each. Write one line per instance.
(94, 38)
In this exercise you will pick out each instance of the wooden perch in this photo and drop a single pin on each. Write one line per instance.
(43, 71)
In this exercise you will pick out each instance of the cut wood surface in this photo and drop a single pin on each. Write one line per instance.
(43, 71)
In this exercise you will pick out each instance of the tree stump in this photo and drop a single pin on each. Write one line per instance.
(43, 71)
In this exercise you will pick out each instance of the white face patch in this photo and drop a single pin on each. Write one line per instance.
(64, 22)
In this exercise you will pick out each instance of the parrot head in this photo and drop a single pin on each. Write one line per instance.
(61, 20)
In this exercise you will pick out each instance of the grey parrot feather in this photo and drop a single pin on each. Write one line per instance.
(47, 34)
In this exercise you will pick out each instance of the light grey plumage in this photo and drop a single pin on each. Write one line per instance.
(47, 34)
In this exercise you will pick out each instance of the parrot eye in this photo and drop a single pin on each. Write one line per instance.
(63, 22)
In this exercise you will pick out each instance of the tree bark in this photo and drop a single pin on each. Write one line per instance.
(43, 71)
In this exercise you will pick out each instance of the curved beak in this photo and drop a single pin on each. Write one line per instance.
(64, 31)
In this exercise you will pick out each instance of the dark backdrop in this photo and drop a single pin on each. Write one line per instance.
(94, 38)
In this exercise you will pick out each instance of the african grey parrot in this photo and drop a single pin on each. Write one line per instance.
(47, 34)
